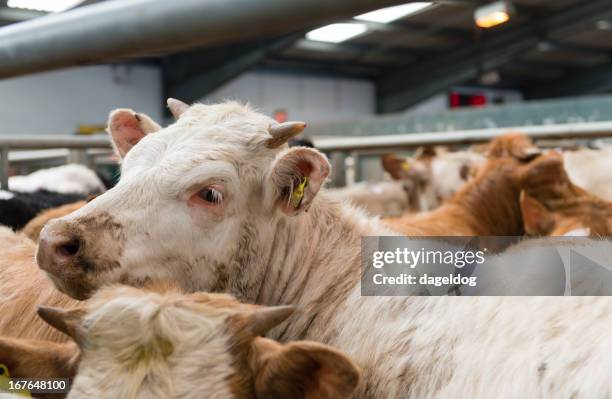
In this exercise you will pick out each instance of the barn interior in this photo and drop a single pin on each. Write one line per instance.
(201, 199)
(353, 70)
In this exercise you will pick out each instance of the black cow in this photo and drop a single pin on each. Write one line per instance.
(17, 209)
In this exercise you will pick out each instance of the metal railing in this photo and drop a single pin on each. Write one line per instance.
(31, 142)
(371, 145)
(355, 146)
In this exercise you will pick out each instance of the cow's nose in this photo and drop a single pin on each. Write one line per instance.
(57, 247)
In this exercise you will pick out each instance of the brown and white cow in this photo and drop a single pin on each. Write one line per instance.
(162, 343)
(435, 174)
(217, 202)
(489, 204)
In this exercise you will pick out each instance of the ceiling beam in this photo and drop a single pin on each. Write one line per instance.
(594, 80)
(589, 51)
(328, 68)
(407, 86)
(116, 29)
(19, 14)
(191, 76)
(363, 52)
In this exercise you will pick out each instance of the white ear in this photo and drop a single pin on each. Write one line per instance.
(583, 232)
(296, 177)
(127, 128)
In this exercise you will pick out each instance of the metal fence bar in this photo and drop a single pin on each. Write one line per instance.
(4, 168)
(354, 145)
(588, 130)
(17, 141)
(31, 142)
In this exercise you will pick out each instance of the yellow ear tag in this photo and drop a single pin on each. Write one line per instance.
(5, 383)
(298, 193)
(406, 166)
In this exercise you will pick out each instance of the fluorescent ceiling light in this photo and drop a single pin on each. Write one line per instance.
(493, 14)
(44, 5)
(386, 15)
(336, 33)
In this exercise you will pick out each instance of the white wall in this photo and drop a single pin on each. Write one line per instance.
(57, 102)
(437, 103)
(308, 98)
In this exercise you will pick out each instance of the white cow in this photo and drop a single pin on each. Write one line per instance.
(65, 179)
(217, 202)
(385, 199)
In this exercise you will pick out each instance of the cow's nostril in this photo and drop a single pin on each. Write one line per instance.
(68, 249)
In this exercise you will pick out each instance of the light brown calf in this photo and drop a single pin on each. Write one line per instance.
(161, 343)
(23, 286)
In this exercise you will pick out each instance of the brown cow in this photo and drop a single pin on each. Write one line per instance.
(489, 204)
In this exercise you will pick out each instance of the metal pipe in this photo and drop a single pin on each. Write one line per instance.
(117, 29)
(49, 141)
(587, 130)
(4, 168)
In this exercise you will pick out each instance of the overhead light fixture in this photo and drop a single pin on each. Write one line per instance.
(386, 15)
(44, 5)
(336, 33)
(493, 14)
(604, 25)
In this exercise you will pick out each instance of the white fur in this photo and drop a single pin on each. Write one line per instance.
(118, 330)
(6, 195)
(590, 170)
(386, 199)
(65, 179)
(417, 347)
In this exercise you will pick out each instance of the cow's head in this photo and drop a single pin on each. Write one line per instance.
(187, 197)
(433, 174)
(162, 343)
(552, 205)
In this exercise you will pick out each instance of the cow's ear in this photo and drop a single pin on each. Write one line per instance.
(515, 145)
(127, 128)
(536, 218)
(397, 167)
(67, 321)
(26, 358)
(296, 176)
(301, 369)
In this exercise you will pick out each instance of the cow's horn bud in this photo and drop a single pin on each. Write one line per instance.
(282, 132)
(267, 318)
(177, 107)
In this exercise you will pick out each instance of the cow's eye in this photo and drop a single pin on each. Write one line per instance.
(211, 195)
